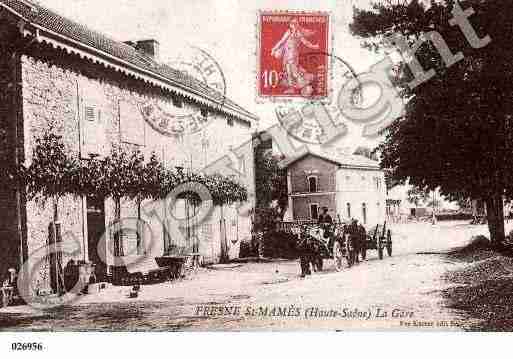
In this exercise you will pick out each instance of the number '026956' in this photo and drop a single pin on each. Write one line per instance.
(27, 346)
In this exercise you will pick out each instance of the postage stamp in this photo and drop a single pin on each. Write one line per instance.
(285, 40)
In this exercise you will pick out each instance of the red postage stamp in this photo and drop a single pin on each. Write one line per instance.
(293, 54)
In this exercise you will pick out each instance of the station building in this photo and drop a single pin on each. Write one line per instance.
(351, 186)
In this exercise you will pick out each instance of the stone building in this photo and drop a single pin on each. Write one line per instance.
(350, 186)
(59, 75)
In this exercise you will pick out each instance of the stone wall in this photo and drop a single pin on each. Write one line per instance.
(57, 96)
(313, 166)
(299, 173)
(337, 189)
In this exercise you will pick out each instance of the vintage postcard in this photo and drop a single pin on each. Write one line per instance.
(363, 184)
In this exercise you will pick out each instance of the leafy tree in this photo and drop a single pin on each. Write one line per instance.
(122, 176)
(52, 172)
(456, 131)
(127, 174)
(271, 180)
(154, 175)
(55, 172)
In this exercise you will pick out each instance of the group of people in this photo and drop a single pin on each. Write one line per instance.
(311, 251)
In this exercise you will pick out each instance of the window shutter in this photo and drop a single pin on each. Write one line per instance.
(131, 124)
(93, 132)
(89, 114)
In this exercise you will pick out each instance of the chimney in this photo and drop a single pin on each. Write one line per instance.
(149, 48)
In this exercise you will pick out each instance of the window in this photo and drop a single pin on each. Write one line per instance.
(131, 123)
(348, 210)
(364, 213)
(92, 132)
(312, 184)
(89, 114)
(378, 183)
(314, 211)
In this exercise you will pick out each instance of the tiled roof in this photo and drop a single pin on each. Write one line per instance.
(344, 160)
(348, 160)
(50, 20)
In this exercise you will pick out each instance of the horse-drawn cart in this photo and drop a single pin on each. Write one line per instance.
(343, 242)
(378, 238)
(335, 241)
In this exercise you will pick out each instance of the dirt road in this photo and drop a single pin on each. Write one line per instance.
(401, 292)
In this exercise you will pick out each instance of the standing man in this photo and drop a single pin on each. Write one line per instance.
(325, 220)
(326, 223)
(354, 237)
(305, 249)
(362, 242)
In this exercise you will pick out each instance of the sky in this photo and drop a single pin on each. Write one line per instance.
(226, 29)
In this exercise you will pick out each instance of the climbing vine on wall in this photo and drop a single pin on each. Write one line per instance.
(54, 172)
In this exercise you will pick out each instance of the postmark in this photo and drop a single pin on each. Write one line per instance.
(312, 120)
(197, 68)
(284, 38)
(368, 100)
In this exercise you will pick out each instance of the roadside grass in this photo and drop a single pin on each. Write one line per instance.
(482, 287)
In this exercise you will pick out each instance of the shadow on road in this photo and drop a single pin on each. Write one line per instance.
(482, 287)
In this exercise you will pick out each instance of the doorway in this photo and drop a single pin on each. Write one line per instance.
(314, 211)
(95, 231)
